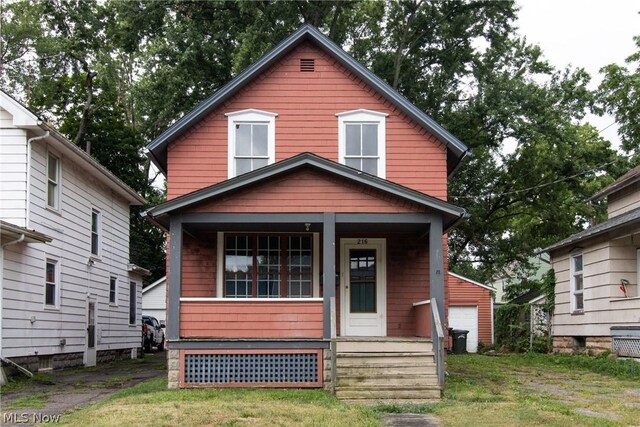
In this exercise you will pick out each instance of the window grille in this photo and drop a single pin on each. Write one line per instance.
(251, 368)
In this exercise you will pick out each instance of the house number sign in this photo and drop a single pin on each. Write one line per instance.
(363, 241)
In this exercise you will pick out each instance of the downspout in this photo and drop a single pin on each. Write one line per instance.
(28, 199)
(13, 242)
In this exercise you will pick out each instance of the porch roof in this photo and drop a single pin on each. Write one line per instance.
(451, 214)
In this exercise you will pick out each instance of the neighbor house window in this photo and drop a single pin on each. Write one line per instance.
(53, 181)
(362, 141)
(577, 283)
(113, 289)
(268, 266)
(51, 283)
(251, 140)
(132, 303)
(95, 232)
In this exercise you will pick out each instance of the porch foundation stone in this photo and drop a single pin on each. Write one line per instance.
(173, 368)
(326, 369)
(592, 345)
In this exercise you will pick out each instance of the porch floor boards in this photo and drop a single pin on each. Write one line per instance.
(382, 369)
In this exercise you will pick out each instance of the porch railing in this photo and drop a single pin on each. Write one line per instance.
(438, 341)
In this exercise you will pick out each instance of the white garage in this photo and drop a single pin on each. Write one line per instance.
(154, 299)
(466, 317)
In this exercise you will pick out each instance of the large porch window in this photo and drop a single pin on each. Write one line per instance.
(268, 266)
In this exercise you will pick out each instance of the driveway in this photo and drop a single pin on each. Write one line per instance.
(59, 391)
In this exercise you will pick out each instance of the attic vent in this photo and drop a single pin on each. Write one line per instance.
(307, 65)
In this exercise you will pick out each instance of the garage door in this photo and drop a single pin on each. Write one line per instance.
(466, 318)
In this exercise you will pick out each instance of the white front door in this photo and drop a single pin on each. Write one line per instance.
(90, 351)
(363, 286)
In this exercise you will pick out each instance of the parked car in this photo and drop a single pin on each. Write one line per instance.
(152, 333)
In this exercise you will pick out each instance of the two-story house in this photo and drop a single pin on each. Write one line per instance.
(597, 275)
(307, 211)
(68, 294)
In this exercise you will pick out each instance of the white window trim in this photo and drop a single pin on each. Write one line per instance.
(56, 261)
(98, 252)
(220, 272)
(572, 282)
(115, 297)
(364, 116)
(250, 116)
(58, 191)
(137, 315)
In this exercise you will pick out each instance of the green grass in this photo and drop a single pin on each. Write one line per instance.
(226, 407)
(20, 382)
(33, 401)
(522, 390)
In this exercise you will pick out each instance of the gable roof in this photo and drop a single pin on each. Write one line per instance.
(617, 222)
(451, 213)
(457, 150)
(23, 118)
(162, 280)
(624, 181)
(473, 282)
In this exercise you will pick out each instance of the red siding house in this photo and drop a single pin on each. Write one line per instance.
(307, 211)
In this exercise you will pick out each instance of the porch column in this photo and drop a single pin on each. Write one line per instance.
(436, 265)
(328, 269)
(174, 279)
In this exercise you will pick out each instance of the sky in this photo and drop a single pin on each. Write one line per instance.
(583, 33)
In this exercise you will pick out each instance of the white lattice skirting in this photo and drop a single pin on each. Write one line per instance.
(626, 346)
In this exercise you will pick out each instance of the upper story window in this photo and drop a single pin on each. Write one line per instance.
(251, 140)
(95, 232)
(362, 141)
(577, 283)
(53, 181)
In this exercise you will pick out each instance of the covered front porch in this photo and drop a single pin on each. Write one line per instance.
(271, 271)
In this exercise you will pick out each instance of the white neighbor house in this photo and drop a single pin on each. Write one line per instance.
(597, 304)
(68, 294)
(154, 300)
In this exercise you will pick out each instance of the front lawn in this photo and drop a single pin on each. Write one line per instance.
(522, 390)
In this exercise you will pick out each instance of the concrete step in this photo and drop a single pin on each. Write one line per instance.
(386, 371)
(388, 392)
(385, 359)
(370, 345)
(406, 381)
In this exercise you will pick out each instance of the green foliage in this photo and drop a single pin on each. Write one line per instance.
(115, 74)
(512, 327)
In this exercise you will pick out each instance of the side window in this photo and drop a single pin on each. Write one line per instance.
(362, 141)
(51, 283)
(132, 303)
(53, 181)
(251, 142)
(95, 231)
(113, 289)
(577, 283)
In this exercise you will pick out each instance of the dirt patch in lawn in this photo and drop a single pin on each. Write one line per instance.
(60, 391)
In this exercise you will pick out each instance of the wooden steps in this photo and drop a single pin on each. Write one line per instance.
(386, 369)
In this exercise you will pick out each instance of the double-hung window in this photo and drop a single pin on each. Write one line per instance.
(268, 266)
(577, 283)
(251, 141)
(113, 290)
(362, 141)
(95, 232)
(53, 181)
(51, 283)
(133, 295)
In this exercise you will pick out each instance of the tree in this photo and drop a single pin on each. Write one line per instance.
(619, 95)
